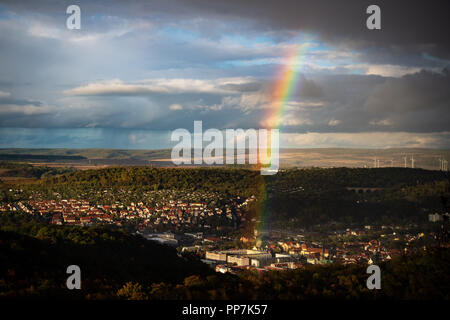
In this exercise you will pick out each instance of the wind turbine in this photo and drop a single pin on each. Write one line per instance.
(412, 161)
(404, 158)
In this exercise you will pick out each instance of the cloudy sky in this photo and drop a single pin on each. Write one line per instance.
(138, 69)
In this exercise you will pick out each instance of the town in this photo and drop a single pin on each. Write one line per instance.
(184, 220)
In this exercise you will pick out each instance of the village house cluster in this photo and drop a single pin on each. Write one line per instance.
(169, 214)
(279, 253)
(296, 255)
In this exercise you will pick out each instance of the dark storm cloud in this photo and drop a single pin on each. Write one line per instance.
(417, 102)
(409, 27)
(310, 89)
(420, 101)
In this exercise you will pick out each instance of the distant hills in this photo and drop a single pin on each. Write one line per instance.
(37, 157)
(315, 157)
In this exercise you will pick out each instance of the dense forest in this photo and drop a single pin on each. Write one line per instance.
(420, 276)
(114, 265)
(227, 181)
(34, 257)
(242, 180)
(23, 170)
(362, 196)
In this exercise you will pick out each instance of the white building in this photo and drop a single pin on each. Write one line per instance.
(434, 217)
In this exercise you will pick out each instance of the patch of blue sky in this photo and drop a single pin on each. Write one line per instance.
(5, 14)
(179, 34)
(249, 41)
(264, 39)
(331, 62)
(230, 64)
(97, 16)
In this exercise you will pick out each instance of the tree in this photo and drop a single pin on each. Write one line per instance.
(132, 291)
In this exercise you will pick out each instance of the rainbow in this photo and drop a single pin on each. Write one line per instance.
(286, 82)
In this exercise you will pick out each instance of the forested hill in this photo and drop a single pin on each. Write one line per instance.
(34, 257)
(355, 177)
(242, 180)
(23, 170)
(232, 181)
